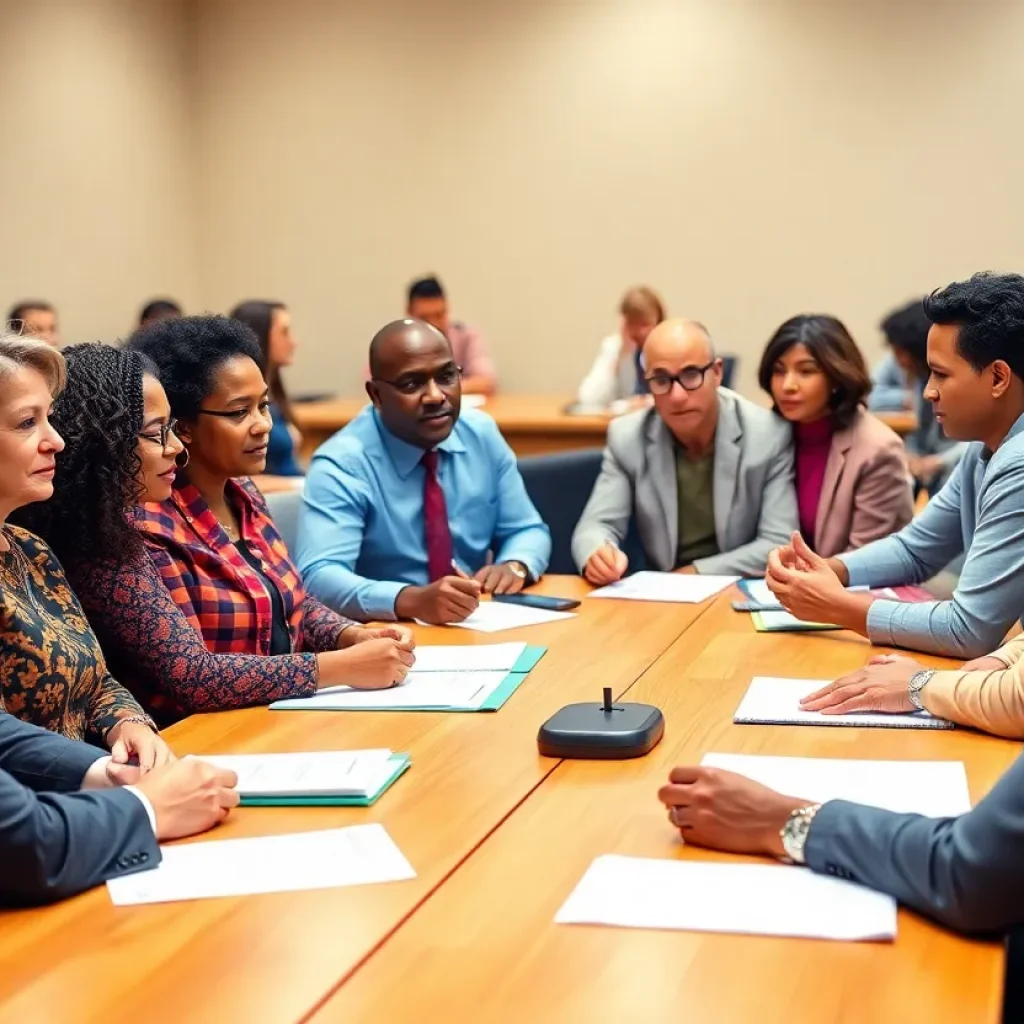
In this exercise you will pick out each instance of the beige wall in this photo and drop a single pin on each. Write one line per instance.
(751, 159)
(97, 181)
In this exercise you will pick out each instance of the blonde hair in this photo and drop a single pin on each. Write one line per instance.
(17, 352)
(641, 303)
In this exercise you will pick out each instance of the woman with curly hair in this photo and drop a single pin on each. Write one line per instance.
(239, 629)
(52, 671)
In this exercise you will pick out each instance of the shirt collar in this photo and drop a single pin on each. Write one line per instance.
(406, 457)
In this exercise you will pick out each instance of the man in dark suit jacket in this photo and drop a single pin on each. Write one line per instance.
(963, 872)
(67, 821)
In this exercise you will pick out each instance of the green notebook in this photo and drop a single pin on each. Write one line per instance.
(400, 763)
(783, 622)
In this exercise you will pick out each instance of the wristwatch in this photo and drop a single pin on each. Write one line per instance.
(519, 569)
(794, 833)
(918, 681)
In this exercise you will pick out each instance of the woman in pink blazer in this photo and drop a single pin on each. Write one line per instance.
(851, 471)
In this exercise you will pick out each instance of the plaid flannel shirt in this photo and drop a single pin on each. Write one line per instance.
(217, 590)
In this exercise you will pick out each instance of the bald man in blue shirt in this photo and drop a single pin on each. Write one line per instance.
(413, 509)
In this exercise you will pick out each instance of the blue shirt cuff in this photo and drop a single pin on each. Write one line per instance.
(378, 600)
(856, 568)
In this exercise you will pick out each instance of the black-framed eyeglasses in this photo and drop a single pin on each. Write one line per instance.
(689, 379)
(162, 434)
(414, 383)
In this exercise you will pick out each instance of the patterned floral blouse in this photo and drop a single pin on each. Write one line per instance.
(52, 671)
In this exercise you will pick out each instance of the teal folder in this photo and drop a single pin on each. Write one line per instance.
(400, 762)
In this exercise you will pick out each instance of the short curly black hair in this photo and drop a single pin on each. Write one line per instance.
(906, 329)
(188, 351)
(99, 414)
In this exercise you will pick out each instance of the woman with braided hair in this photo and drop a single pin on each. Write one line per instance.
(52, 671)
(122, 465)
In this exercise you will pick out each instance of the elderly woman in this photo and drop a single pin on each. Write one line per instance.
(236, 628)
(52, 672)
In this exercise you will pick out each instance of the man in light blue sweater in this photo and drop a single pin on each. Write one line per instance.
(976, 359)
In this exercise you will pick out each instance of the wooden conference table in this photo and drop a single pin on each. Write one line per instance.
(499, 836)
(532, 424)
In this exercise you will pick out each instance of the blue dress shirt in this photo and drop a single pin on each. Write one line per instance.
(361, 528)
(979, 511)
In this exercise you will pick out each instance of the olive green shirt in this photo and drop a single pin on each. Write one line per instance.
(695, 480)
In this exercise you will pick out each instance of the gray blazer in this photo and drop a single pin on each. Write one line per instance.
(964, 872)
(754, 493)
(55, 842)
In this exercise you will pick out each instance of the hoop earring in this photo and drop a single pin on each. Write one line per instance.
(181, 459)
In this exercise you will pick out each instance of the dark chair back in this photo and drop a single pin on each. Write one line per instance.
(559, 485)
(728, 371)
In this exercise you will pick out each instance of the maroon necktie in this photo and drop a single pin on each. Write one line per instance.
(435, 518)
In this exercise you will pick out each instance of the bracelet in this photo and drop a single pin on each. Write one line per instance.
(136, 719)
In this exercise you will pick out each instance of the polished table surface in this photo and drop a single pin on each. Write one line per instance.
(532, 424)
(904, 422)
(485, 948)
(274, 957)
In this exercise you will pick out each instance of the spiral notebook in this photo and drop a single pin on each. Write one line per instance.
(771, 700)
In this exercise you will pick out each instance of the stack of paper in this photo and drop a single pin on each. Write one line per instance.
(358, 855)
(444, 678)
(936, 789)
(337, 777)
(753, 899)
(775, 701)
(672, 587)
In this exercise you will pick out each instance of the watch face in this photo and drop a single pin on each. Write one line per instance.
(518, 568)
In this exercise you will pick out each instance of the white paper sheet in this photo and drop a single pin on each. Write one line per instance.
(358, 855)
(420, 690)
(937, 789)
(752, 899)
(320, 773)
(468, 658)
(494, 616)
(673, 587)
(776, 701)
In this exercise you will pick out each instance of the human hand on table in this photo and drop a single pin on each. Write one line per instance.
(499, 579)
(805, 584)
(606, 565)
(188, 797)
(880, 686)
(725, 811)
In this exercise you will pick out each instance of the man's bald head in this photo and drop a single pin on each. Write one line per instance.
(679, 339)
(401, 340)
(414, 383)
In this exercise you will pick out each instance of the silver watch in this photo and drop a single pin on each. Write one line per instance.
(918, 681)
(519, 569)
(794, 833)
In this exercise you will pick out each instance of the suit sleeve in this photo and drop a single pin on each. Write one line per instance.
(963, 872)
(605, 518)
(57, 843)
(883, 501)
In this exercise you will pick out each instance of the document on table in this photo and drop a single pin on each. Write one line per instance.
(751, 899)
(776, 701)
(357, 855)
(468, 658)
(757, 592)
(936, 789)
(320, 773)
(494, 616)
(671, 587)
(426, 690)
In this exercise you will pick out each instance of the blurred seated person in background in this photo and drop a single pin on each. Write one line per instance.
(268, 640)
(428, 302)
(52, 671)
(964, 872)
(34, 318)
(851, 475)
(891, 391)
(618, 371)
(976, 357)
(70, 818)
(271, 322)
(158, 309)
(707, 474)
(405, 506)
(931, 455)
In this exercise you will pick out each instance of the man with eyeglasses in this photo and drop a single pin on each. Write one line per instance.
(415, 508)
(707, 475)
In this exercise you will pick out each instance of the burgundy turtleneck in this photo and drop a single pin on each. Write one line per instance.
(813, 441)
